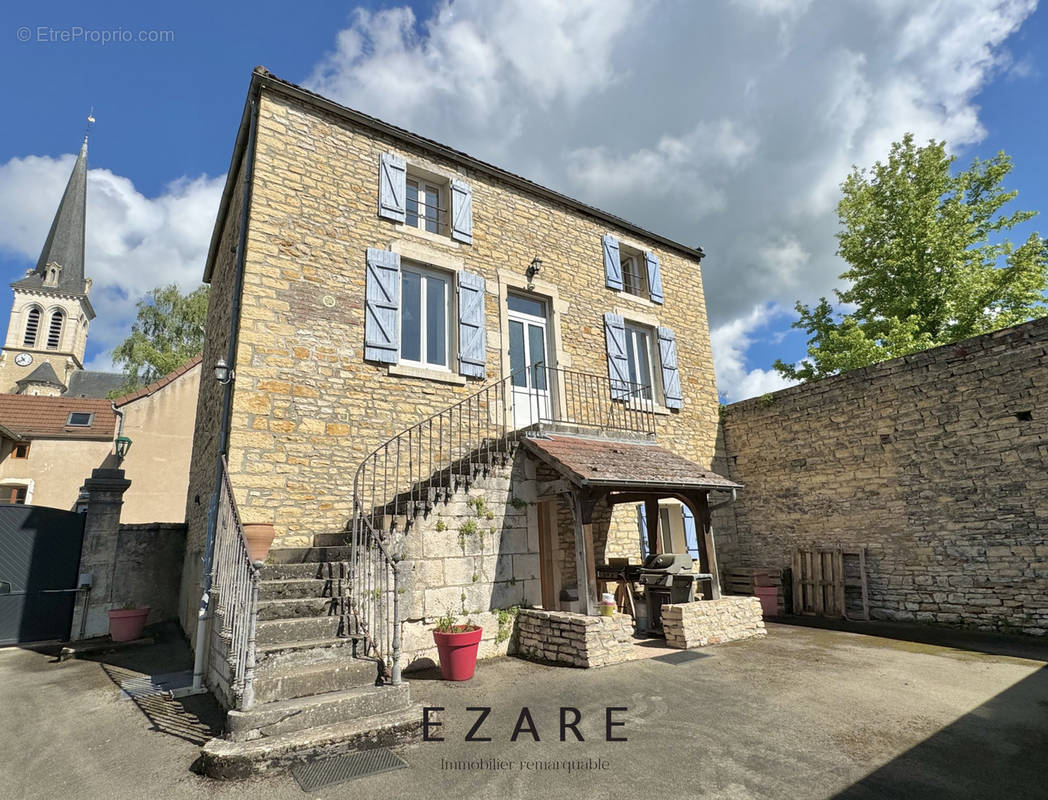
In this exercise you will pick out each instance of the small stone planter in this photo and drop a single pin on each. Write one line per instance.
(126, 624)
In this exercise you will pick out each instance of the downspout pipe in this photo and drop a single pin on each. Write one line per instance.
(227, 406)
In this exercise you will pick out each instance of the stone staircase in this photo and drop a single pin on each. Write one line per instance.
(313, 696)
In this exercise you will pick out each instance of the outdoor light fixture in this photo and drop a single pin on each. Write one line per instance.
(223, 372)
(534, 268)
(123, 444)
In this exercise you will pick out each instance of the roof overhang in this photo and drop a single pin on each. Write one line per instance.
(629, 466)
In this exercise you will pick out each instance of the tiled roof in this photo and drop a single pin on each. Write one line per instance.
(89, 383)
(33, 417)
(159, 384)
(45, 373)
(593, 462)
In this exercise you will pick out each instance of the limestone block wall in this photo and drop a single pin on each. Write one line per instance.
(705, 622)
(307, 406)
(473, 556)
(564, 637)
(936, 463)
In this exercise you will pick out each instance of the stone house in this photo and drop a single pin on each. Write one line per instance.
(442, 384)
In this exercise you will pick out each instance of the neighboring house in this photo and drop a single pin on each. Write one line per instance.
(456, 366)
(56, 424)
(49, 445)
(159, 421)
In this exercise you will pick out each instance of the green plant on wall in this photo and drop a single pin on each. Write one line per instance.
(506, 616)
(441, 525)
(517, 503)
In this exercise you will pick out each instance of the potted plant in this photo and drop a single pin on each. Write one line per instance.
(126, 623)
(457, 647)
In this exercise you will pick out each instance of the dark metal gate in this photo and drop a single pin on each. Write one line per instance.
(39, 561)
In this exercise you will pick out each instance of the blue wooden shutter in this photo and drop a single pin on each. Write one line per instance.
(670, 373)
(461, 212)
(392, 187)
(691, 538)
(654, 277)
(471, 337)
(618, 366)
(612, 265)
(381, 306)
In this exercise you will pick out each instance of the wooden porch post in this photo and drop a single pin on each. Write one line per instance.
(582, 515)
(706, 547)
(651, 519)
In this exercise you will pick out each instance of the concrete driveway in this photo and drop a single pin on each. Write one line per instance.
(803, 713)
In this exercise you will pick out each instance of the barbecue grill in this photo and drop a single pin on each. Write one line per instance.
(666, 578)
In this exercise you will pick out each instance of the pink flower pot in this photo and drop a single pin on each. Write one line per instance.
(458, 653)
(769, 597)
(126, 624)
(258, 536)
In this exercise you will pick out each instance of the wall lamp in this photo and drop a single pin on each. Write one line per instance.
(123, 444)
(223, 372)
(534, 268)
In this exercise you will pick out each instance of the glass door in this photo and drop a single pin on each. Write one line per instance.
(528, 360)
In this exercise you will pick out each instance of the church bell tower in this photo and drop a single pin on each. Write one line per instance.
(47, 330)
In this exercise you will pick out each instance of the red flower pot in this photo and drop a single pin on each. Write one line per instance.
(126, 624)
(458, 652)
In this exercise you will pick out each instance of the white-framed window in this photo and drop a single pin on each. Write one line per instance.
(426, 205)
(32, 326)
(634, 272)
(425, 317)
(640, 358)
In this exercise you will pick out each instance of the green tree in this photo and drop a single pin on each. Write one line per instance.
(928, 262)
(168, 331)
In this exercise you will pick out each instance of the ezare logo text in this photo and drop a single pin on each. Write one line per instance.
(569, 726)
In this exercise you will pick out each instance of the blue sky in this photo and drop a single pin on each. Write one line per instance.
(726, 125)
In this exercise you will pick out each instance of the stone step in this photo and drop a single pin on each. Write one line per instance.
(290, 588)
(308, 555)
(335, 539)
(305, 651)
(298, 607)
(309, 569)
(283, 680)
(228, 760)
(286, 716)
(278, 631)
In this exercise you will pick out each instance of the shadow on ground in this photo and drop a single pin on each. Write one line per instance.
(996, 750)
(194, 719)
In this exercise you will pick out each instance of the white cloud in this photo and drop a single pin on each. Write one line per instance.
(134, 243)
(726, 125)
(730, 342)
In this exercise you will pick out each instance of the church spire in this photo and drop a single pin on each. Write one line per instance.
(64, 247)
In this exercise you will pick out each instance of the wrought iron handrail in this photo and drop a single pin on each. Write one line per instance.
(408, 474)
(235, 588)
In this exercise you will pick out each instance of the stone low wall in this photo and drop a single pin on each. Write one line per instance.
(573, 639)
(704, 622)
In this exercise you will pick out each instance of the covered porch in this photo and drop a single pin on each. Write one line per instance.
(606, 509)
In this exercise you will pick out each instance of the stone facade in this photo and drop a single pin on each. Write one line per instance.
(307, 407)
(936, 463)
(563, 637)
(704, 622)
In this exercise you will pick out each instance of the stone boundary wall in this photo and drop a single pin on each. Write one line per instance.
(704, 622)
(936, 463)
(564, 637)
(148, 569)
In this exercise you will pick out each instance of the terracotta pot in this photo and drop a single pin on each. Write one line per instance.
(126, 624)
(458, 653)
(259, 536)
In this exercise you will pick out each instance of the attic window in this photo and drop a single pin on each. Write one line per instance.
(80, 419)
(20, 450)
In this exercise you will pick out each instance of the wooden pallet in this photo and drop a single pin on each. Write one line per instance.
(830, 582)
(743, 580)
